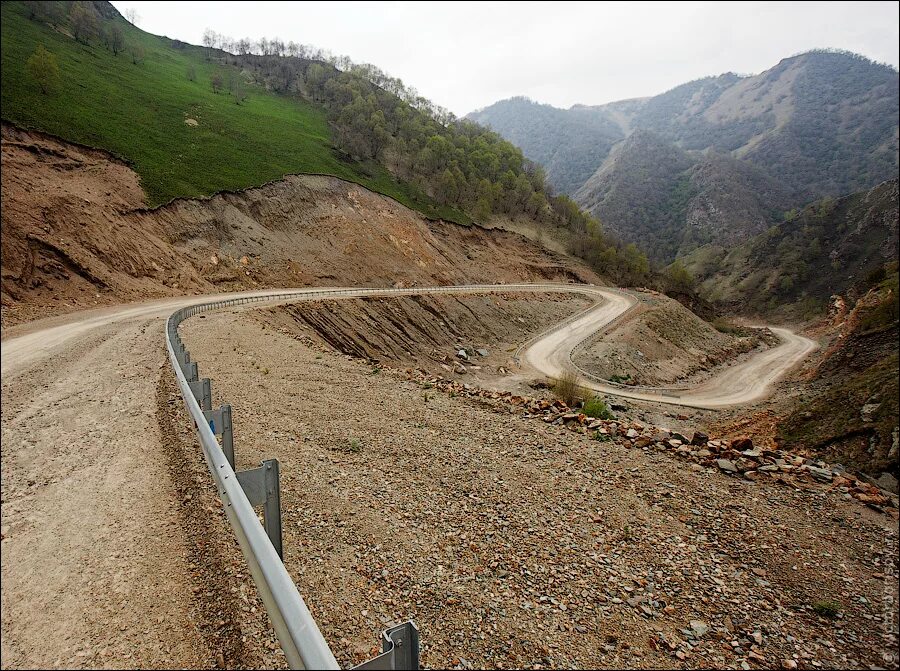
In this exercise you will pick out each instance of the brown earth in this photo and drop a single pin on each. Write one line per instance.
(515, 543)
(660, 342)
(115, 552)
(429, 331)
(76, 234)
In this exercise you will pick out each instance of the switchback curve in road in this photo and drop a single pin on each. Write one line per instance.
(740, 384)
(89, 504)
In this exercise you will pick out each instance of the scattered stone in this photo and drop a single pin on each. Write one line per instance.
(699, 628)
(699, 438)
(726, 465)
(867, 412)
(887, 482)
(742, 443)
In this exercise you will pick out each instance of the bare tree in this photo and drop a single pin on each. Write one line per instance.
(216, 82)
(132, 16)
(137, 54)
(116, 39)
(238, 91)
(84, 22)
(209, 41)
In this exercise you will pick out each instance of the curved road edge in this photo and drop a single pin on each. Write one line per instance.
(743, 383)
(548, 353)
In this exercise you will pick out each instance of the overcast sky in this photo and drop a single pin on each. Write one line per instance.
(464, 56)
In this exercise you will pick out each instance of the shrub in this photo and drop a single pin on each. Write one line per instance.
(827, 608)
(596, 407)
(723, 326)
(567, 388)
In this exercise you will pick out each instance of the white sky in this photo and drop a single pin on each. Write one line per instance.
(466, 55)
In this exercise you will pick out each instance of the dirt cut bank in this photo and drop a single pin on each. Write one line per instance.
(76, 234)
(468, 335)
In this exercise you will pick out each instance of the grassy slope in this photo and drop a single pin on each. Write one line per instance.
(138, 112)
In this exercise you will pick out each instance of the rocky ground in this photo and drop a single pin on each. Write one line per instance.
(662, 343)
(517, 542)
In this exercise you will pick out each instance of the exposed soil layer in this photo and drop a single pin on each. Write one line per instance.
(76, 235)
(431, 330)
(660, 342)
(516, 543)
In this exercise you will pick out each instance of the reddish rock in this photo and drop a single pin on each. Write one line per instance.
(742, 443)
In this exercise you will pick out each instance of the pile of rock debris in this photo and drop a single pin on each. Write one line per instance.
(737, 457)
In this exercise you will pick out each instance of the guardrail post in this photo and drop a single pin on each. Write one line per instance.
(263, 488)
(272, 508)
(202, 390)
(227, 435)
(399, 649)
(220, 423)
(190, 370)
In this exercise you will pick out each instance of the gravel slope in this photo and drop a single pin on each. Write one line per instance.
(517, 544)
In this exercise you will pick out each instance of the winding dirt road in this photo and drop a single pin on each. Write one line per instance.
(743, 383)
(97, 567)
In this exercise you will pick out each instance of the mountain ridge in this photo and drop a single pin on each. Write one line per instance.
(820, 123)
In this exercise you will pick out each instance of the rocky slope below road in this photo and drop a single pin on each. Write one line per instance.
(852, 413)
(520, 543)
(76, 234)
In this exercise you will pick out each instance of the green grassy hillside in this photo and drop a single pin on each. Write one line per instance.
(139, 111)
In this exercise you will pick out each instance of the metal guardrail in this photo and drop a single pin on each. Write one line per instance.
(300, 638)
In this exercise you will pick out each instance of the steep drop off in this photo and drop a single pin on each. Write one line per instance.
(76, 234)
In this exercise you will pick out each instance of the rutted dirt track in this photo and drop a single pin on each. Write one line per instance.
(744, 383)
(98, 568)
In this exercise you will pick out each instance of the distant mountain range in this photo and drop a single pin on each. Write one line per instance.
(719, 159)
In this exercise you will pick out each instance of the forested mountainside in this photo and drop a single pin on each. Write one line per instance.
(833, 246)
(672, 201)
(237, 113)
(569, 144)
(818, 124)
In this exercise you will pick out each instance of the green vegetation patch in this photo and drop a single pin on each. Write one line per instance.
(153, 104)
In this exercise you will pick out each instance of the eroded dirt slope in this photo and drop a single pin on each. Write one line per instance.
(76, 234)
(431, 330)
